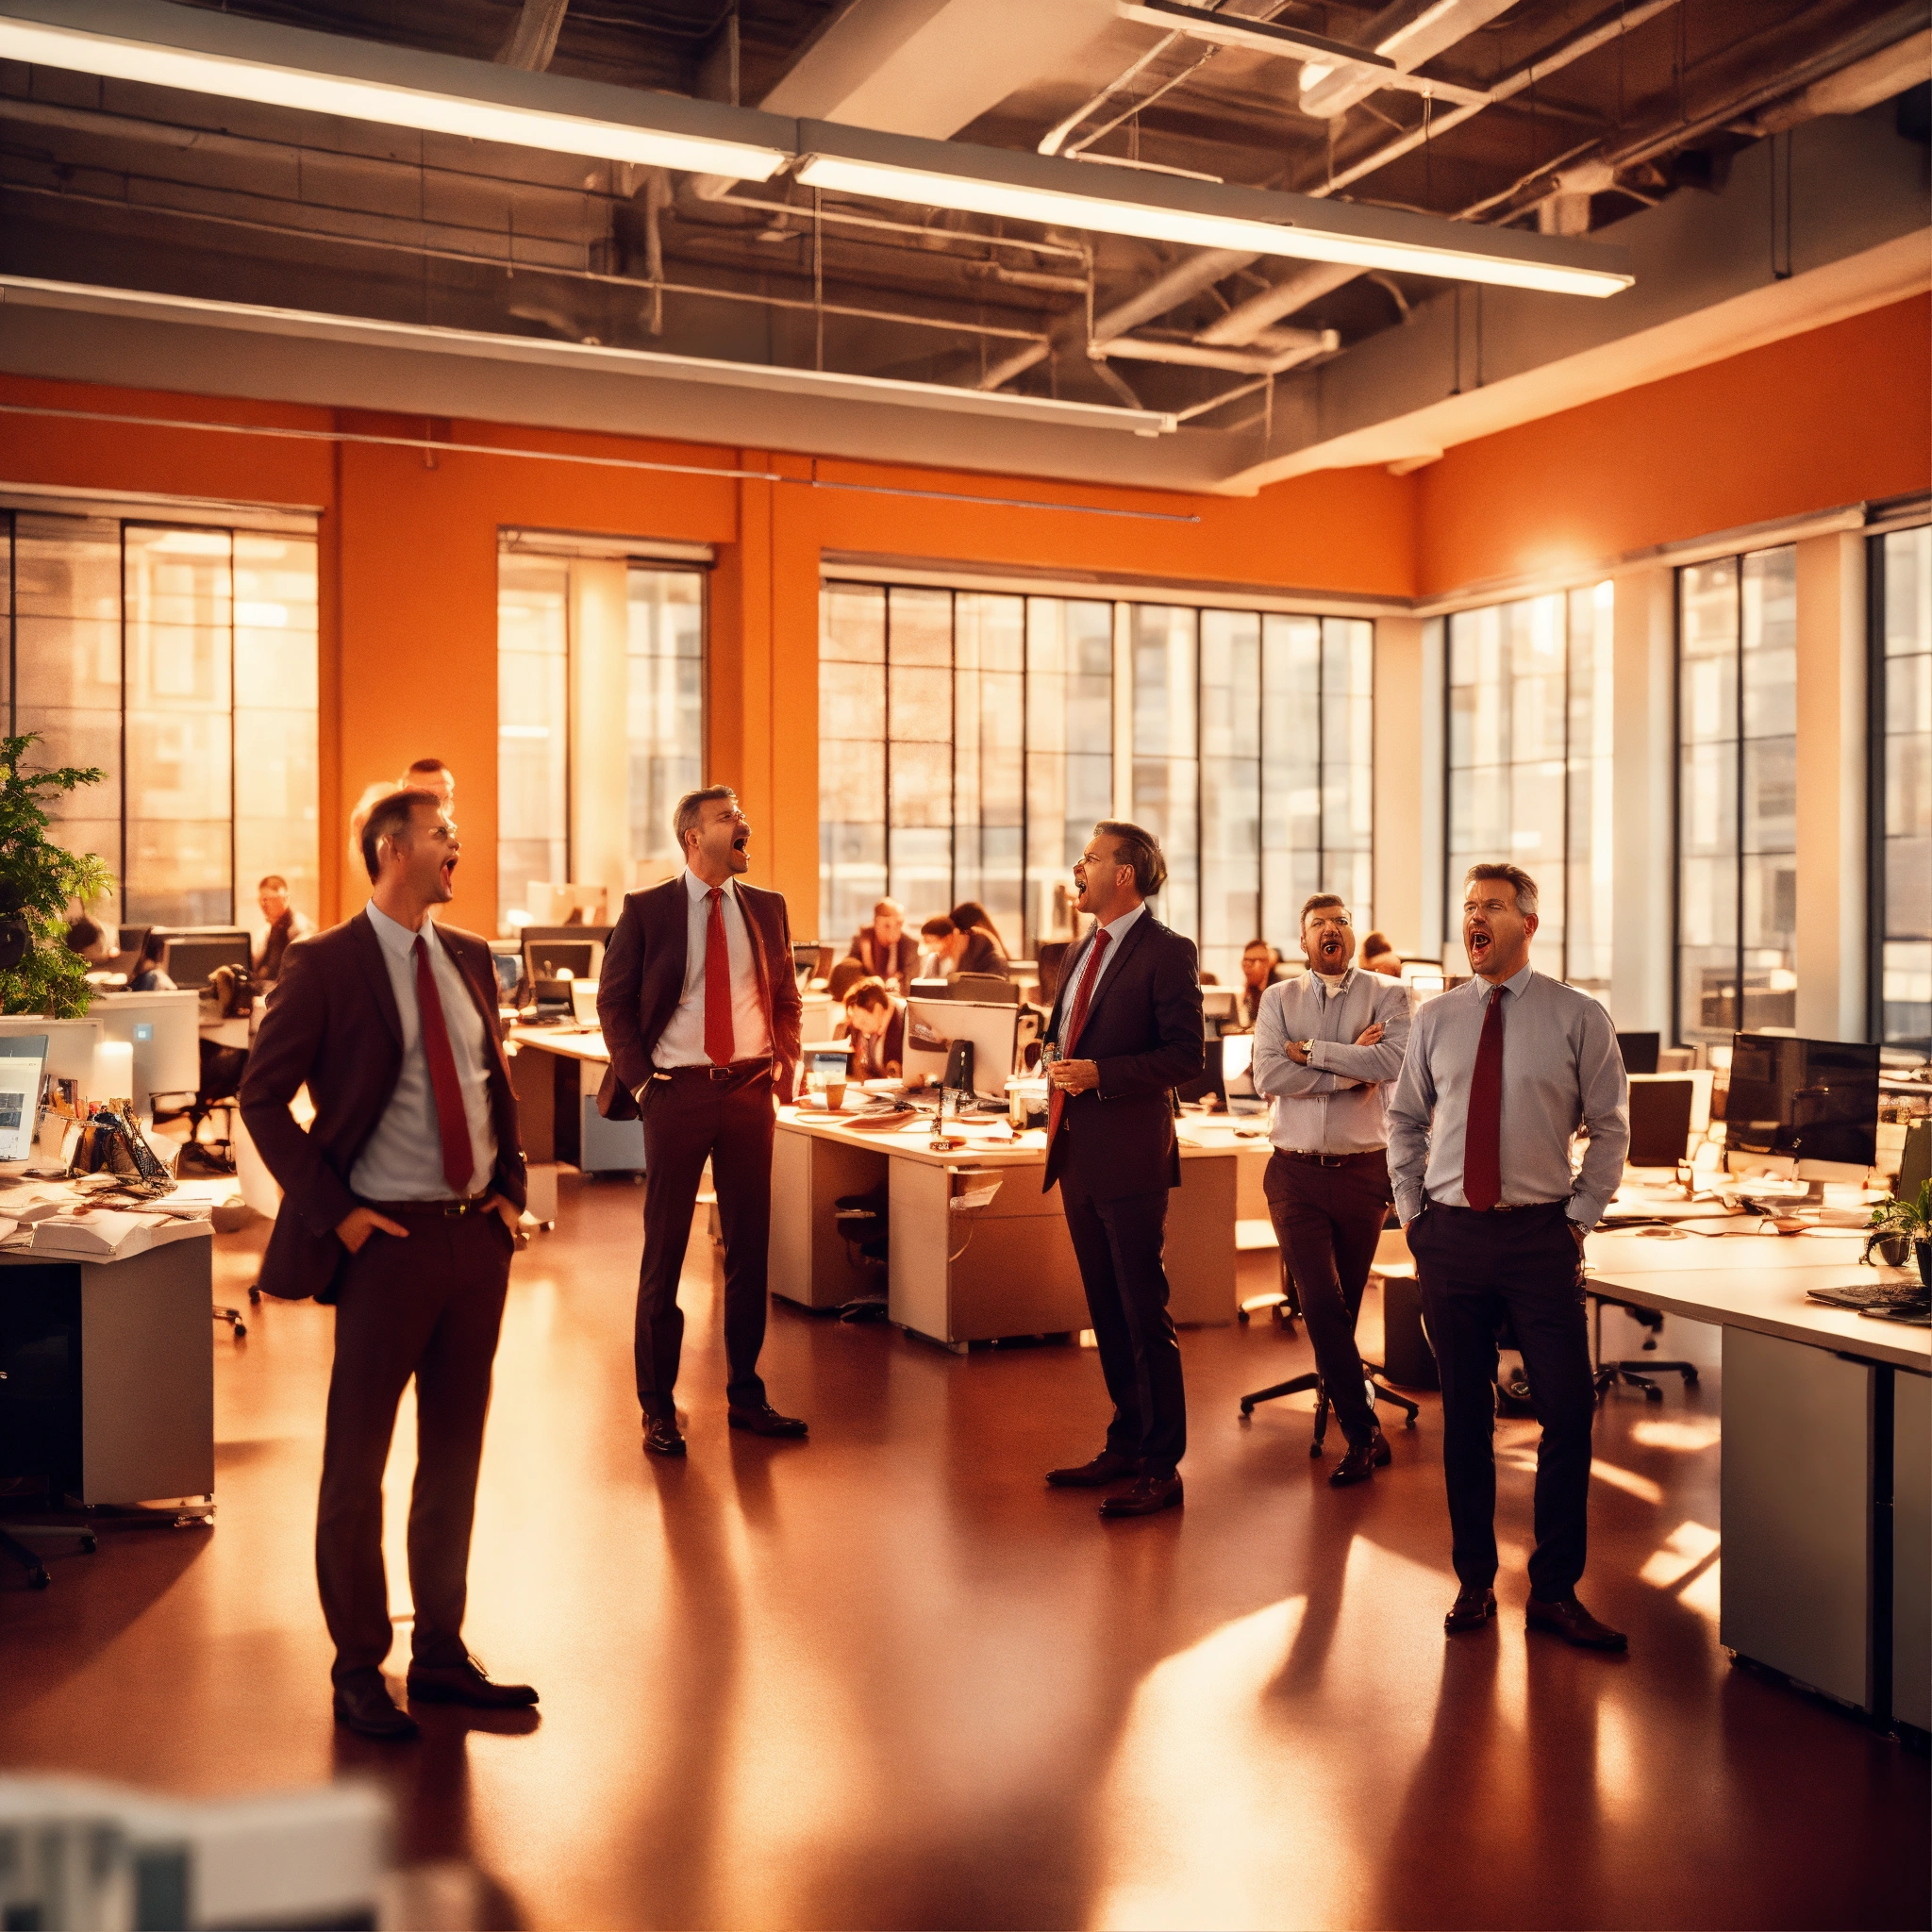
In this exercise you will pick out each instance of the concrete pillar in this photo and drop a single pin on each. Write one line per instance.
(1403, 852)
(1644, 799)
(1833, 770)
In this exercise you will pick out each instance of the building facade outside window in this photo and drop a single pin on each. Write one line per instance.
(1529, 720)
(966, 747)
(1737, 796)
(1902, 790)
(181, 660)
(600, 722)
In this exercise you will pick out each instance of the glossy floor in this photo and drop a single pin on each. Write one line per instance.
(888, 1679)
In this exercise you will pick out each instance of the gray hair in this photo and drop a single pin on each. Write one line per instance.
(685, 819)
(1141, 849)
(1525, 886)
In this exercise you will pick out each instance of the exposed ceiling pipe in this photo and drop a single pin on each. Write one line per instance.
(1309, 343)
(1246, 320)
(1055, 138)
(1853, 88)
(1408, 33)
(532, 43)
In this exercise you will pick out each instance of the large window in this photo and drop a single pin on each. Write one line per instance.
(966, 748)
(1737, 796)
(1902, 788)
(1529, 722)
(181, 660)
(600, 720)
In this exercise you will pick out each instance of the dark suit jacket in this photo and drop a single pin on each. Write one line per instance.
(899, 962)
(1144, 1029)
(642, 981)
(982, 954)
(332, 1025)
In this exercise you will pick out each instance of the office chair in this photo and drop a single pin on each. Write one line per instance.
(1049, 956)
(1638, 1372)
(1286, 1313)
(864, 1221)
(29, 1560)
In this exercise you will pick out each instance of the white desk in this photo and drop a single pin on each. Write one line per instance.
(557, 1074)
(984, 1273)
(1827, 1442)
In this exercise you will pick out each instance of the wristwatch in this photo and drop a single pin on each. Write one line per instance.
(1308, 1047)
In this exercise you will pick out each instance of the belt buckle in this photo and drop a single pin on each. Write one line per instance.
(717, 1072)
(454, 1210)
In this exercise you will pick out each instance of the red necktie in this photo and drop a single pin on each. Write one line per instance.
(718, 1040)
(1056, 1100)
(1482, 1138)
(451, 1119)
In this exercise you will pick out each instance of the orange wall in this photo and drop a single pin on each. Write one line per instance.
(409, 541)
(1838, 415)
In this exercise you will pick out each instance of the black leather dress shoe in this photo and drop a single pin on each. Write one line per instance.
(364, 1705)
(1469, 1611)
(661, 1437)
(1107, 1467)
(465, 1683)
(765, 1420)
(1566, 1618)
(1150, 1494)
(1361, 1461)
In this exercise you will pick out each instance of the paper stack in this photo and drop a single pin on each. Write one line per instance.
(93, 1234)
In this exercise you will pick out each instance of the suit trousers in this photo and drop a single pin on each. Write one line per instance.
(1118, 1244)
(428, 1305)
(690, 1119)
(1473, 1270)
(1328, 1220)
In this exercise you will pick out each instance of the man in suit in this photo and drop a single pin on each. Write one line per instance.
(1498, 1075)
(1260, 969)
(1126, 1031)
(875, 1019)
(885, 948)
(400, 1205)
(701, 1013)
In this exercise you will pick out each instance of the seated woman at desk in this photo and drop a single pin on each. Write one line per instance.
(983, 950)
(878, 1024)
(150, 973)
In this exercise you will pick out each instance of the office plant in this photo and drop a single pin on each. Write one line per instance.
(39, 880)
(1896, 1222)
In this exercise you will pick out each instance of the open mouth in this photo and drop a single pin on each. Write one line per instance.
(1479, 946)
(1331, 948)
(448, 870)
(742, 842)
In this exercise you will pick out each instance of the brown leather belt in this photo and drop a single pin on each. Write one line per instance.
(736, 1070)
(1501, 1206)
(439, 1210)
(1379, 1154)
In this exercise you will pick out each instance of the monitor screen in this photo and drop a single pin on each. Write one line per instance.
(932, 1027)
(192, 957)
(1640, 1051)
(1802, 1099)
(510, 970)
(553, 959)
(1661, 1113)
(20, 1102)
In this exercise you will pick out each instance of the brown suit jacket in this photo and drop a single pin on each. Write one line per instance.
(332, 1025)
(642, 981)
(1144, 1030)
(899, 962)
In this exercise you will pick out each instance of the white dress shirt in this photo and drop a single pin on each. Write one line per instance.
(1115, 933)
(1560, 1069)
(1316, 1110)
(402, 1159)
(682, 1042)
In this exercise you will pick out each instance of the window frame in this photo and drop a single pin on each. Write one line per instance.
(1876, 741)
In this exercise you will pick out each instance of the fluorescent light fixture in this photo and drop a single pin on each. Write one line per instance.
(238, 59)
(995, 182)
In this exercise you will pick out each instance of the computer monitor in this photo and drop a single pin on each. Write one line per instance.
(165, 1029)
(554, 960)
(932, 1027)
(930, 989)
(1238, 1066)
(1803, 1107)
(23, 1060)
(1217, 1004)
(1640, 1051)
(805, 962)
(1915, 1161)
(1661, 1110)
(1207, 1083)
(508, 957)
(192, 957)
(986, 987)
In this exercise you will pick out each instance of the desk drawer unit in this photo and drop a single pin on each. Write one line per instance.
(1199, 1251)
(1911, 1548)
(809, 1261)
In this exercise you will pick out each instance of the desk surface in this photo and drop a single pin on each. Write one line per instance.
(1759, 1286)
(983, 1149)
(561, 1041)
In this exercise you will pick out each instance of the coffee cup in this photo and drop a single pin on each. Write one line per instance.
(835, 1095)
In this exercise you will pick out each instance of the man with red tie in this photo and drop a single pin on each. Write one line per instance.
(701, 1014)
(1126, 1030)
(400, 1205)
(1498, 1076)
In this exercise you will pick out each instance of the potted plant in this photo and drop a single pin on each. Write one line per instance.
(39, 880)
(1898, 1223)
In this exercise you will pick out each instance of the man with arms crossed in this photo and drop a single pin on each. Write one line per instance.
(400, 1205)
(1127, 1027)
(1327, 1048)
(701, 1013)
(1498, 1075)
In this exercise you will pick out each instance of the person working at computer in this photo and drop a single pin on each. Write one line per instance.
(1327, 1048)
(954, 949)
(1261, 965)
(970, 917)
(400, 1205)
(877, 1020)
(885, 948)
(1126, 1030)
(285, 927)
(1498, 1075)
(92, 941)
(150, 973)
(701, 1013)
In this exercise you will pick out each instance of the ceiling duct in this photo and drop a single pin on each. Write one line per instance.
(1407, 34)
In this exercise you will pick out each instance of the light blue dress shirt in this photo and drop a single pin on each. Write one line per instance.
(1317, 1108)
(1561, 1070)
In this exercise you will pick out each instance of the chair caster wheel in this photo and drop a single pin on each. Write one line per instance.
(88, 1544)
(1314, 1451)
(1409, 1421)
(1247, 1412)
(254, 1294)
(1690, 1380)
(240, 1332)
(1242, 1316)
